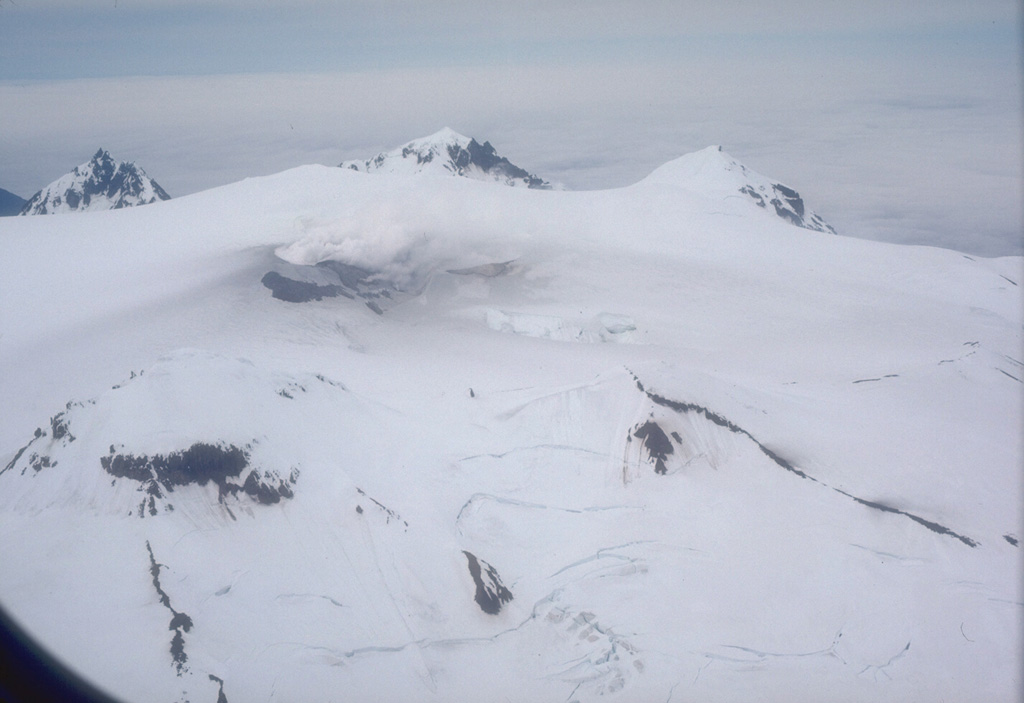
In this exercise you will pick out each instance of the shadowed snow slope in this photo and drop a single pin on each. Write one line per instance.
(426, 439)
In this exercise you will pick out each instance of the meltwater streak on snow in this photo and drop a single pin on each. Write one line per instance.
(471, 417)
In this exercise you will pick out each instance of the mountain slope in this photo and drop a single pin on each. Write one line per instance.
(98, 184)
(449, 153)
(640, 444)
(714, 172)
(10, 204)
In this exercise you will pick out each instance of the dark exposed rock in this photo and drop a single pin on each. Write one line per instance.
(456, 154)
(787, 204)
(484, 157)
(329, 279)
(491, 594)
(657, 444)
(59, 426)
(119, 185)
(792, 199)
(263, 493)
(729, 425)
(933, 526)
(388, 512)
(330, 382)
(754, 195)
(17, 455)
(199, 464)
(221, 698)
(292, 291)
(787, 213)
(36, 460)
(721, 421)
(1009, 375)
(180, 622)
(38, 463)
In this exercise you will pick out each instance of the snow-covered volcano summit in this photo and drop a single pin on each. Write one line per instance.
(449, 153)
(434, 440)
(714, 172)
(98, 184)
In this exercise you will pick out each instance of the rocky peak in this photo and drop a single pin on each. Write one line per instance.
(99, 184)
(451, 153)
(715, 172)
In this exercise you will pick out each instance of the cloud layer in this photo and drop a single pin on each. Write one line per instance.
(901, 123)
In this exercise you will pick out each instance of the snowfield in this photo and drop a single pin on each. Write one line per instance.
(410, 437)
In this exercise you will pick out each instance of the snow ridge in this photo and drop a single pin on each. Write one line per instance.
(449, 153)
(98, 184)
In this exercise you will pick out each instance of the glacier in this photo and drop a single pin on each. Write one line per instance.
(650, 443)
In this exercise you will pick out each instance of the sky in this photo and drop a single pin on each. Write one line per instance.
(896, 121)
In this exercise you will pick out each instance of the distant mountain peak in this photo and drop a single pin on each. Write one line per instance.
(712, 170)
(98, 184)
(447, 152)
(10, 204)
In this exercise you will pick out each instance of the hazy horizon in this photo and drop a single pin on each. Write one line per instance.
(897, 124)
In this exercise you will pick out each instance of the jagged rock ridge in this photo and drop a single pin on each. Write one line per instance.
(448, 152)
(98, 184)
